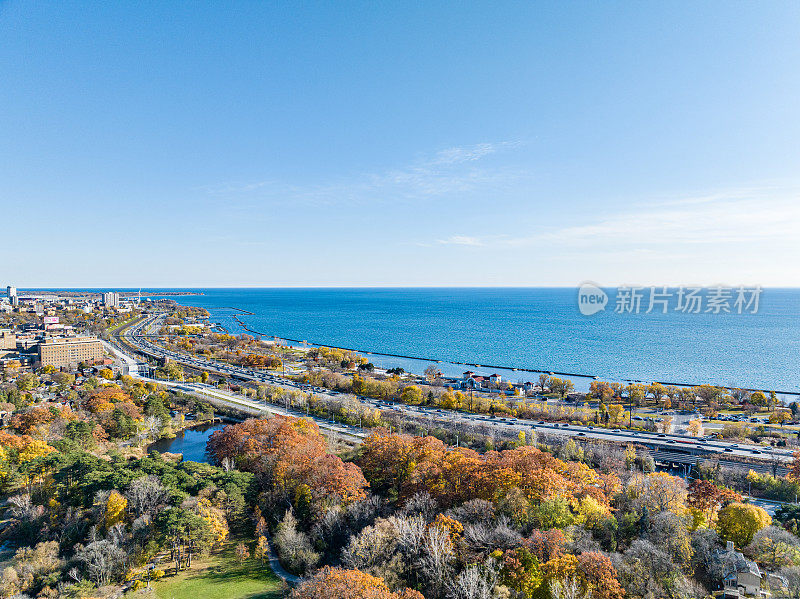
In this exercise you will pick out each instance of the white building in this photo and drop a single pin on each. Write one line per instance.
(111, 299)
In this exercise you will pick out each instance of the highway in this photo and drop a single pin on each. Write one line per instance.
(667, 448)
(343, 431)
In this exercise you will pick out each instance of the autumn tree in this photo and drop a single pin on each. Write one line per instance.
(658, 491)
(519, 570)
(780, 417)
(411, 395)
(601, 390)
(794, 469)
(338, 583)
(401, 466)
(562, 387)
(615, 412)
(738, 522)
(242, 552)
(599, 576)
(706, 498)
(115, 508)
(289, 453)
(261, 551)
(774, 547)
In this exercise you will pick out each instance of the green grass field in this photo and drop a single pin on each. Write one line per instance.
(221, 576)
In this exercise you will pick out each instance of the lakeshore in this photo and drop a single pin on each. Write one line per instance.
(520, 333)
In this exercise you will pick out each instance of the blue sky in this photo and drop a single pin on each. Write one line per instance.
(377, 143)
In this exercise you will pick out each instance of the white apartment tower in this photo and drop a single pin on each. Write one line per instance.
(11, 291)
(111, 299)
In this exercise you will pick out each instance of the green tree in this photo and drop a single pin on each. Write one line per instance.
(121, 426)
(561, 386)
(154, 406)
(80, 432)
(552, 513)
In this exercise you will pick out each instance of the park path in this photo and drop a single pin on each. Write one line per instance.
(276, 566)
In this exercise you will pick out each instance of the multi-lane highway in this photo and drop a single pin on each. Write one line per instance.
(669, 448)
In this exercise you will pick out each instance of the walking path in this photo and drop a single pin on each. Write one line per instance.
(275, 564)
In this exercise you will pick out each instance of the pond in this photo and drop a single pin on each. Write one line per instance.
(190, 442)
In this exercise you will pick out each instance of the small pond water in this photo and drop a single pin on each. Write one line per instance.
(190, 442)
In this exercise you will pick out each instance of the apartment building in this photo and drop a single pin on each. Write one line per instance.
(8, 340)
(69, 351)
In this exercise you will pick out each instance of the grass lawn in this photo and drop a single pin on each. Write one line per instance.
(221, 576)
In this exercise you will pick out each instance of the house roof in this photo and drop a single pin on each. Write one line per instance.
(738, 563)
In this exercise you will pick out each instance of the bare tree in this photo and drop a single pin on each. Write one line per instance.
(436, 559)
(474, 582)
(294, 546)
(145, 495)
(569, 588)
(102, 559)
(421, 504)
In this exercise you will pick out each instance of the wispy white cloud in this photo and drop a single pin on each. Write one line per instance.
(737, 217)
(448, 171)
(729, 219)
(460, 240)
(471, 153)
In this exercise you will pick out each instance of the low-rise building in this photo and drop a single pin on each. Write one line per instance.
(741, 577)
(69, 351)
(8, 340)
(476, 381)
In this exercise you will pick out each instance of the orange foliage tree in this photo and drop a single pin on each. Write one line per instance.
(289, 453)
(707, 498)
(402, 465)
(338, 583)
(103, 399)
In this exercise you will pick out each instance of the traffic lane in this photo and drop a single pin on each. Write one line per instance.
(665, 441)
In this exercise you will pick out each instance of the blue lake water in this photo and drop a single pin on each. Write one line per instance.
(190, 442)
(537, 328)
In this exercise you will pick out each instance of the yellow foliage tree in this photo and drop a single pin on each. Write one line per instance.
(695, 428)
(216, 521)
(35, 449)
(5, 470)
(261, 552)
(411, 395)
(591, 512)
(115, 509)
(659, 491)
(615, 412)
(738, 522)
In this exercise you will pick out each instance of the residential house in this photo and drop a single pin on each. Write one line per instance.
(471, 380)
(740, 577)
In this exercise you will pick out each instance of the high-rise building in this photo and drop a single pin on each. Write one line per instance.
(11, 291)
(111, 299)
